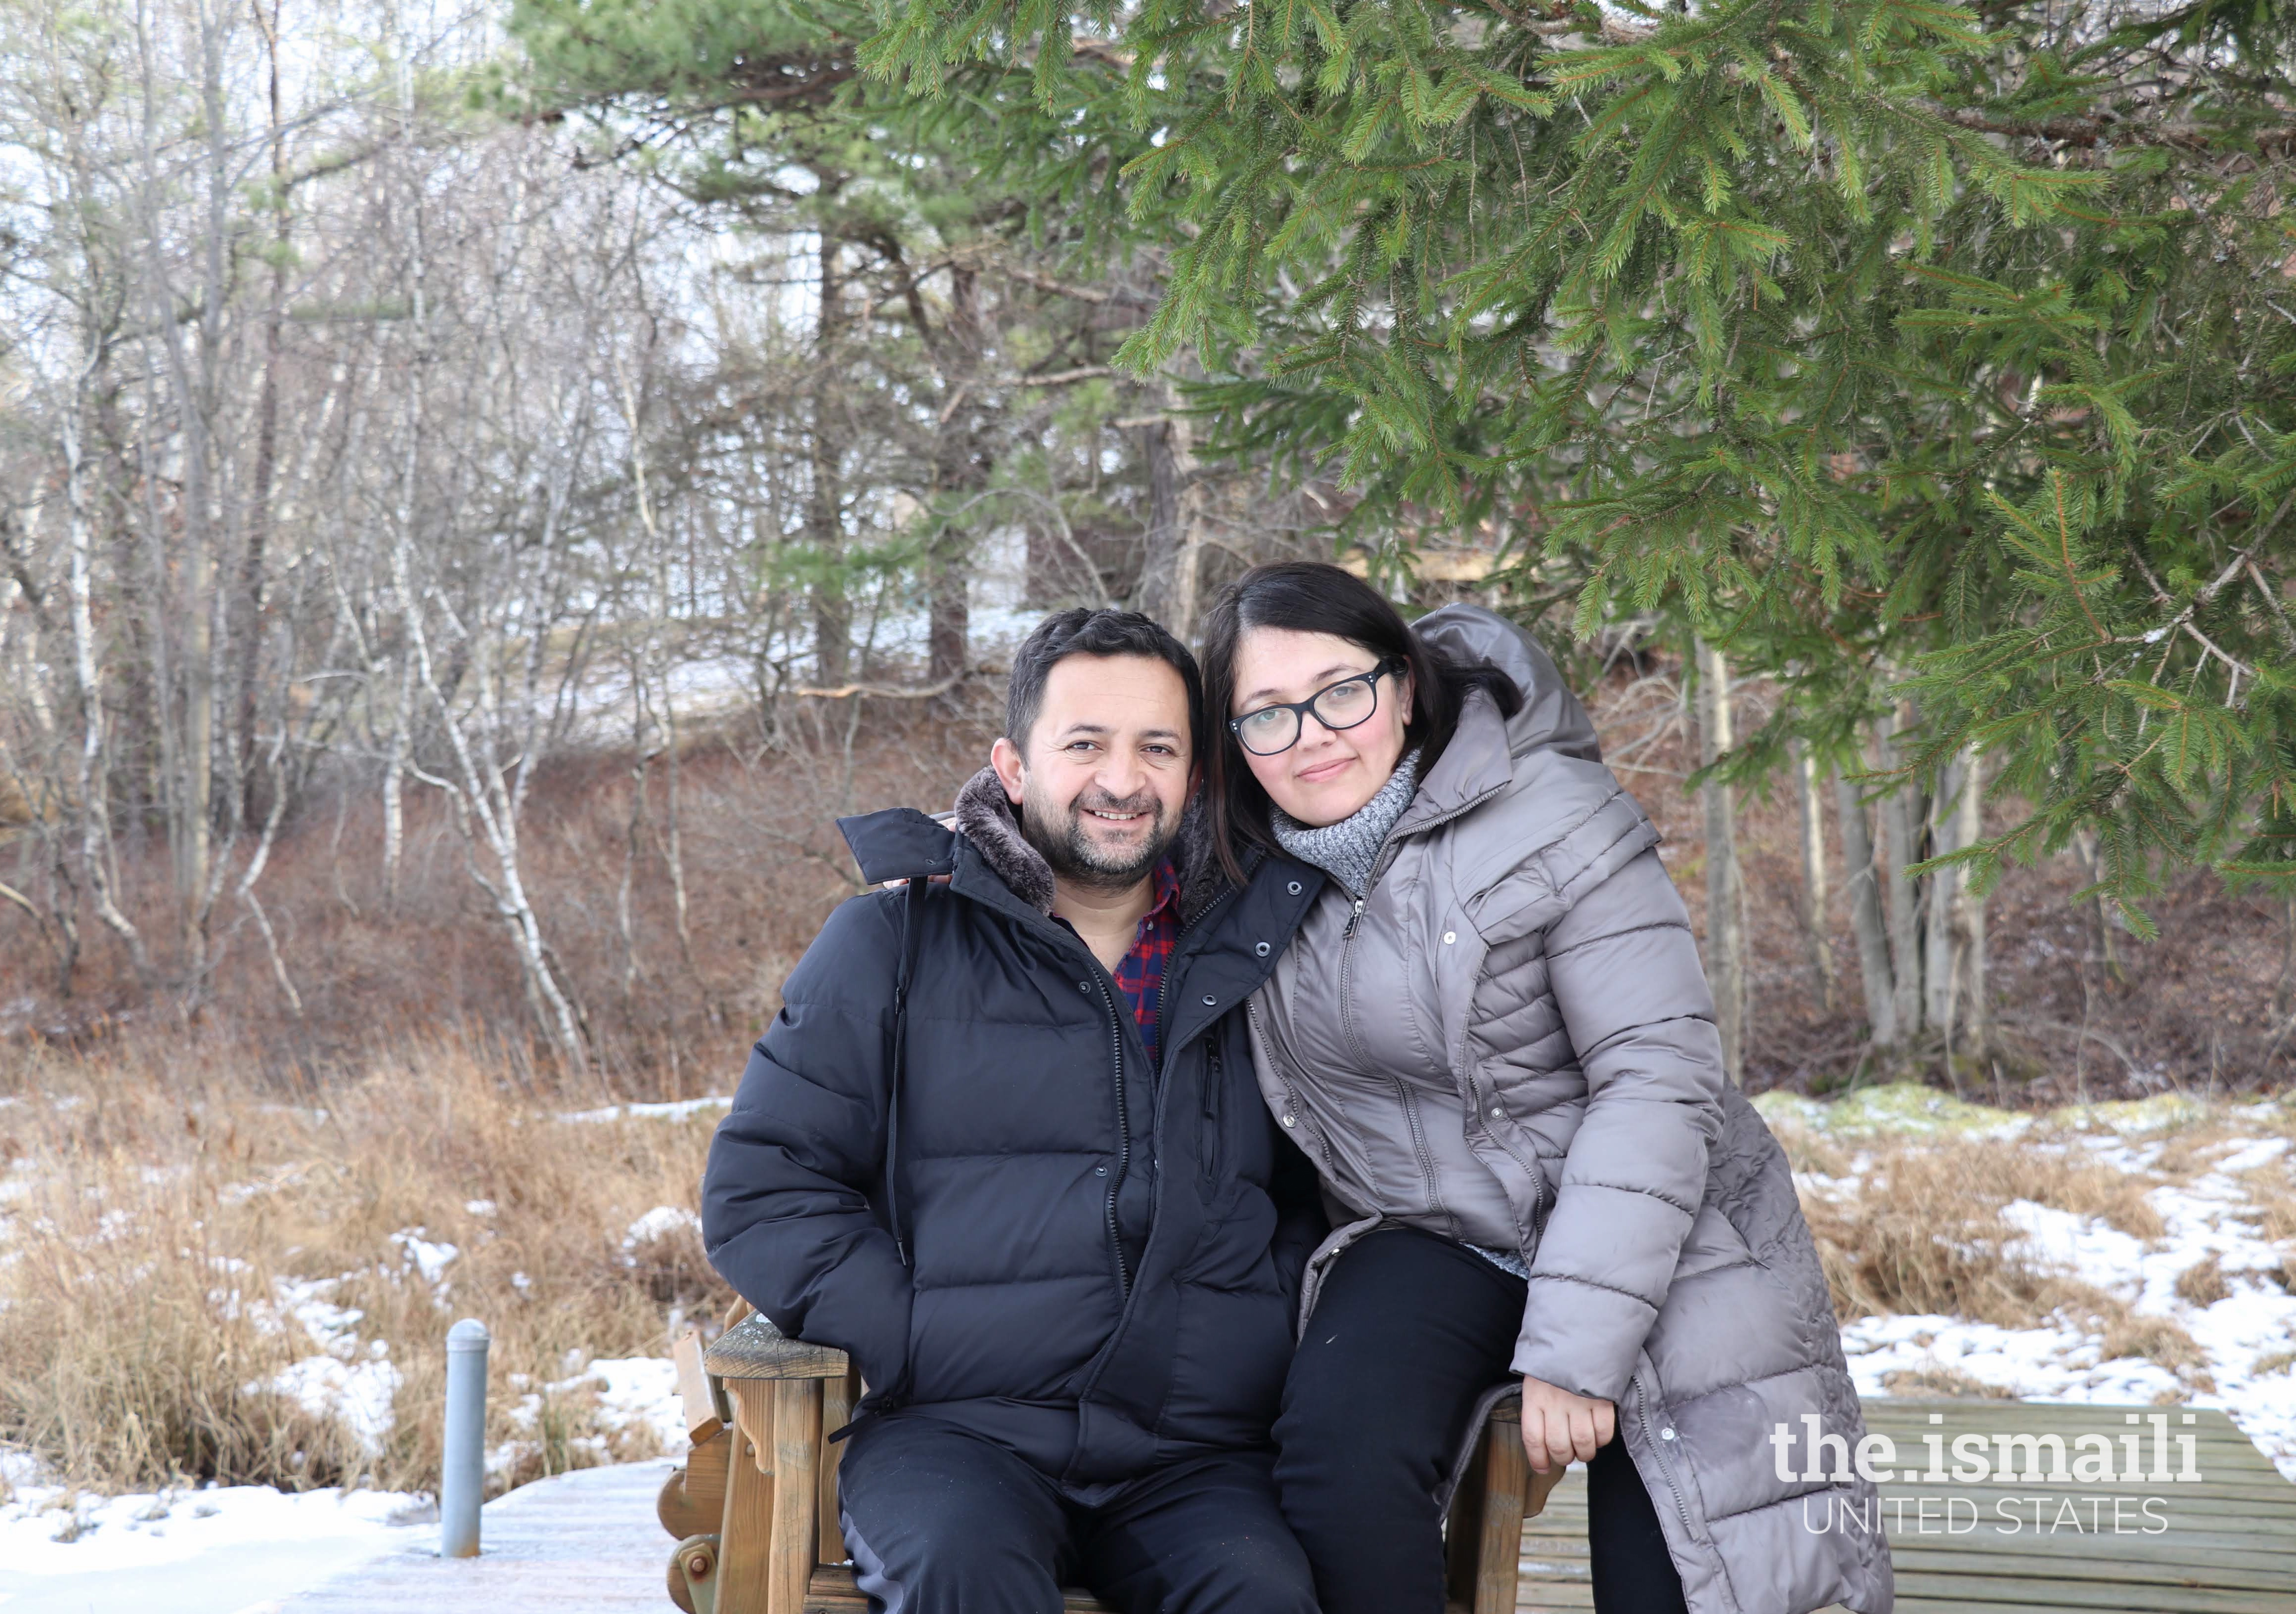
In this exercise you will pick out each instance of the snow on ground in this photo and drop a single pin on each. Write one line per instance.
(2247, 1336)
(210, 1551)
(635, 1395)
(220, 1550)
(678, 1110)
(225, 1549)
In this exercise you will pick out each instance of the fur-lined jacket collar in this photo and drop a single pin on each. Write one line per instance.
(986, 816)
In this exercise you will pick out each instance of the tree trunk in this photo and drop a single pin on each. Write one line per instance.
(961, 472)
(1809, 797)
(1867, 921)
(1173, 561)
(486, 810)
(1903, 815)
(1725, 938)
(1944, 887)
(633, 836)
(402, 716)
(95, 811)
(824, 527)
(247, 607)
(394, 778)
(651, 651)
(1964, 1020)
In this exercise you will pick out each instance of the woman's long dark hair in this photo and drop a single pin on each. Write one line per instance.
(1311, 597)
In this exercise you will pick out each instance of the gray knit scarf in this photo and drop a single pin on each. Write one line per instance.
(1348, 850)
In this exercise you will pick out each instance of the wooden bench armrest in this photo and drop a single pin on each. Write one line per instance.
(754, 1348)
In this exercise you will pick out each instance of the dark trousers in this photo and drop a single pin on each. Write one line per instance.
(941, 1521)
(1408, 1331)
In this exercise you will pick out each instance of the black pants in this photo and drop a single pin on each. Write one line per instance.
(1409, 1330)
(941, 1521)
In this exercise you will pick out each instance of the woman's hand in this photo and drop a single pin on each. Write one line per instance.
(1558, 1426)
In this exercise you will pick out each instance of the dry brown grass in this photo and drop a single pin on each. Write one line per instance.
(2158, 1339)
(1942, 1383)
(166, 1193)
(2273, 1189)
(1923, 1233)
(2202, 1283)
(2085, 1187)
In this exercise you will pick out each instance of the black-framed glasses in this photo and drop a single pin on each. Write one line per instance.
(1276, 729)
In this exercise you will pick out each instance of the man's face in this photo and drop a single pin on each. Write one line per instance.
(1103, 774)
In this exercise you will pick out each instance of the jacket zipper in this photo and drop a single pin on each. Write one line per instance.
(1364, 1062)
(1123, 1114)
(1658, 1445)
(1387, 852)
(1123, 1141)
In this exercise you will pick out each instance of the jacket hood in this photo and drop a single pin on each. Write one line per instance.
(1485, 752)
(1552, 717)
(905, 844)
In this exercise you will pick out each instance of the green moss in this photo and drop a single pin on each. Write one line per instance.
(1902, 1107)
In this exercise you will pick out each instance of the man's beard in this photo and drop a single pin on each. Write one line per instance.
(1057, 830)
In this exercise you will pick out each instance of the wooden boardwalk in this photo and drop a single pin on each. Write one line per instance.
(2224, 1544)
(584, 1542)
(587, 1543)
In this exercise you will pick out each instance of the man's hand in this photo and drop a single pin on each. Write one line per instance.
(1558, 1426)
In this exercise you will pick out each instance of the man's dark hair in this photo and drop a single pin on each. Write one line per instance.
(1083, 632)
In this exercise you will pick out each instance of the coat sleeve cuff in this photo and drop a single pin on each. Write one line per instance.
(1580, 1337)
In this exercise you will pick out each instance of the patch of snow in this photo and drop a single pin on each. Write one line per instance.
(2254, 1156)
(2162, 1112)
(481, 1208)
(2080, 1247)
(238, 1193)
(358, 1393)
(2056, 1363)
(679, 1110)
(330, 1327)
(427, 1257)
(2214, 1217)
(48, 1530)
(659, 1223)
(639, 1394)
(634, 1397)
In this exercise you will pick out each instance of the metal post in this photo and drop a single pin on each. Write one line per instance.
(462, 1474)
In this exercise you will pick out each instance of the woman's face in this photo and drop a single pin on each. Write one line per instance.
(1329, 774)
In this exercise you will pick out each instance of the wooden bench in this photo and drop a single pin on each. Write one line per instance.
(755, 1508)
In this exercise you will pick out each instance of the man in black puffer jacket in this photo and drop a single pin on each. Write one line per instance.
(1042, 1206)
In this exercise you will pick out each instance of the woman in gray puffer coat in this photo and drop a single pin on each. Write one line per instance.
(1493, 1036)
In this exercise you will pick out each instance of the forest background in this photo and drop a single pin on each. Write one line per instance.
(483, 487)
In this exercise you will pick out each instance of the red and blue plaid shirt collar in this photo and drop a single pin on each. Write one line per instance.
(1140, 973)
